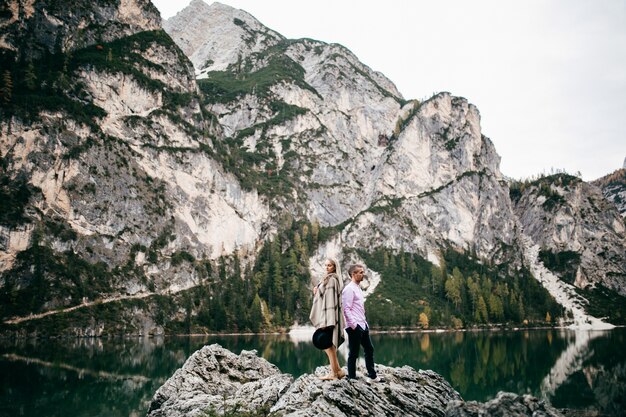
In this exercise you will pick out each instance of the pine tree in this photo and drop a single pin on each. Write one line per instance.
(29, 76)
(481, 311)
(315, 232)
(278, 284)
(521, 309)
(7, 87)
(453, 288)
(256, 314)
(436, 279)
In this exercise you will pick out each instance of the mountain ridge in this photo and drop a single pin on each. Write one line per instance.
(174, 196)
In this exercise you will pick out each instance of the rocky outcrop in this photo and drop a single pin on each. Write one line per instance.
(505, 404)
(204, 32)
(36, 27)
(216, 380)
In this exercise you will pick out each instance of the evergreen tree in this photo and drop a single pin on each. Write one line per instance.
(29, 76)
(481, 311)
(496, 310)
(520, 308)
(256, 314)
(7, 87)
(278, 284)
(315, 232)
(453, 288)
(436, 279)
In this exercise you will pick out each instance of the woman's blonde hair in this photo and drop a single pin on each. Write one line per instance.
(336, 271)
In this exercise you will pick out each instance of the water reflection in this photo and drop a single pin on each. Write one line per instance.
(117, 377)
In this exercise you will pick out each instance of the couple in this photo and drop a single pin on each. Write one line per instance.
(335, 308)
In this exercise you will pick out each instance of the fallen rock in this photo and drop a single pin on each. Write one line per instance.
(215, 381)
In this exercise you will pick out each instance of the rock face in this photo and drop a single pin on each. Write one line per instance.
(129, 178)
(563, 214)
(37, 27)
(205, 32)
(212, 374)
(122, 174)
(216, 380)
(614, 188)
(356, 153)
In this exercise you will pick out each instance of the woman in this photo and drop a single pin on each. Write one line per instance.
(326, 312)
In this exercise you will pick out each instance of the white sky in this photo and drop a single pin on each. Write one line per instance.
(548, 76)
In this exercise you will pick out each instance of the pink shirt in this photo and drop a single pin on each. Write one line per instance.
(353, 306)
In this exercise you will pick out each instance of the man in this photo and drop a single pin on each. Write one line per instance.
(356, 324)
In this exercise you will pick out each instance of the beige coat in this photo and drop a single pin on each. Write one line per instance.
(326, 310)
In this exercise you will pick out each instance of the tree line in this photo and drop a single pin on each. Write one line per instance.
(461, 291)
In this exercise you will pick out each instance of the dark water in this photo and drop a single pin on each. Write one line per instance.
(93, 377)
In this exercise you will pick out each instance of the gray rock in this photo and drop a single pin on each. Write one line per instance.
(505, 404)
(405, 392)
(215, 380)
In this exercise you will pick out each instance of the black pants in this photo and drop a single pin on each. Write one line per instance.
(356, 338)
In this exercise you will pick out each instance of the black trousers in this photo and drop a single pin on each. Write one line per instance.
(356, 338)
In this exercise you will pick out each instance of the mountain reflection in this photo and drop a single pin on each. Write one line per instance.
(117, 377)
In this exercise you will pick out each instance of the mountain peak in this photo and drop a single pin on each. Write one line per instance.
(204, 31)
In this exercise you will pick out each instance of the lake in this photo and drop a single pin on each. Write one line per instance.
(583, 370)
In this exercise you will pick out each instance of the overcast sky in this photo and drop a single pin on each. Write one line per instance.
(548, 76)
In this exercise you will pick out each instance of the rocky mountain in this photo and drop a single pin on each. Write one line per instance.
(108, 181)
(576, 228)
(139, 199)
(613, 187)
(349, 148)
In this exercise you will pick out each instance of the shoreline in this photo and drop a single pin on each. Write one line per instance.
(299, 333)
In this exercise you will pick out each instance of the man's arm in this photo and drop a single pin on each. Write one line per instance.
(347, 299)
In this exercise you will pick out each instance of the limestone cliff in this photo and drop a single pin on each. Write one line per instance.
(580, 232)
(352, 149)
(614, 188)
(137, 168)
(112, 153)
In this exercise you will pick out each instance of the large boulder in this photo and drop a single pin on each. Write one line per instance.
(215, 381)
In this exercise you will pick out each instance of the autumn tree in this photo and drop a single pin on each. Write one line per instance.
(423, 320)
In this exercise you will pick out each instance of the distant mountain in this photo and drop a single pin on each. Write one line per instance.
(139, 199)
(580, 234)
(614, 188)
